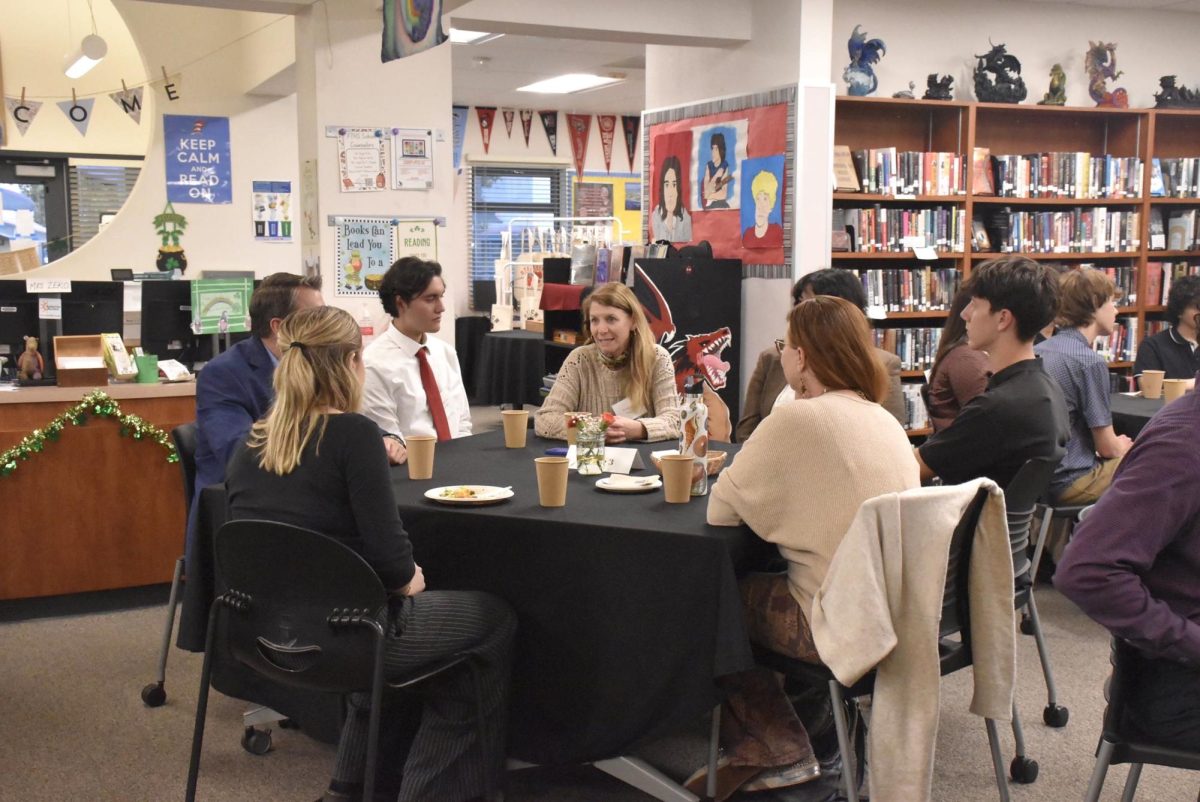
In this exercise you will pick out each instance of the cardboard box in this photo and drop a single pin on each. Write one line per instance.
(79, 361)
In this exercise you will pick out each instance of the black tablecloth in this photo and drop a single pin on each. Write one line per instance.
(469, 332)
(510, 367)
(627, 606)
(1131, 413)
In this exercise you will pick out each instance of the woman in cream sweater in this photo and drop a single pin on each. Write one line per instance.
(798, 482)
(619, 370)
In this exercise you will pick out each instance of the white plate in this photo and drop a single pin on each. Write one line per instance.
(618, 483)
(482, 494)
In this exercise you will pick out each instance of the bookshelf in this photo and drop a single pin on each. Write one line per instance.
(958, 127)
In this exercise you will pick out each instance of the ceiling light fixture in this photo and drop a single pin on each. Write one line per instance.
(91, 52)
(570, 83)
(461, 37)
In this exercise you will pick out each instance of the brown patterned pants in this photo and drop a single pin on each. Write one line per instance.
(758, 725)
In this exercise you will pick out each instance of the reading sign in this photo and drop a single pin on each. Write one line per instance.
(198, 162)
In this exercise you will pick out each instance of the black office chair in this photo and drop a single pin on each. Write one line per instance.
(1021, 504)
(184, 438)
(1115, 744)
(304, 610)
(954, 654)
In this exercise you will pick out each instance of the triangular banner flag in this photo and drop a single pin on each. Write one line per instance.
(130, 101)
(79, 111)
(487, 116)
(459, 115)
(607, 123)
(631, 124)
(526, 123)
(580, 126)
(22, 111)
(550, 123)
(509, 115)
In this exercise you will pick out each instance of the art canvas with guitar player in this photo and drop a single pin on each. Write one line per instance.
(719, 151)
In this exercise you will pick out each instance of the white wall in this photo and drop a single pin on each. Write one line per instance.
(944, 36)
(199, 45)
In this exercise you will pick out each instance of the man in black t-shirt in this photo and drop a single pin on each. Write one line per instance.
(1022, 413)
(1174, 349)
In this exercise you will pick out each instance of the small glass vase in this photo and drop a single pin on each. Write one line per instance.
(589, 451)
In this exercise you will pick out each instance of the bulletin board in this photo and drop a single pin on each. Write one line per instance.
(626, 194)
(721, 171)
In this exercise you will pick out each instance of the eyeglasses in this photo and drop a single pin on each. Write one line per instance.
(780, 344)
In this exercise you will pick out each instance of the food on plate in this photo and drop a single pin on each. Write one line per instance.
(460, 492)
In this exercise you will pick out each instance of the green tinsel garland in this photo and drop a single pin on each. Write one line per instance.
(94, 403)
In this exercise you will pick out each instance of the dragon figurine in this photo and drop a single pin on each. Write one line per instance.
(1101, 65)
(1171, 96)
(938, 87)
(859, 77)
(1056, 95)
(998, 77)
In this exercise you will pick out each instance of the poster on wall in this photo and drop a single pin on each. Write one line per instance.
(718, 150)
(730, 142)
(459, 121)
(271, 209)
(199, 169)
(310, 235)
(412, 150)
(670, 157)
(364, 159)
(220, 305)
(633, 196)
(762, 202)
(364, 253)
(592, 200)
(415, 238)
(410, 28)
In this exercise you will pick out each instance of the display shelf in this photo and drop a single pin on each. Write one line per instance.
(926, 315)
(863, 197)
(1054, 257)
(912, 374)
(920, 432)
(1119, 365)
(1154, 256)
(892, 255)
(993, 200)
(1175, 201)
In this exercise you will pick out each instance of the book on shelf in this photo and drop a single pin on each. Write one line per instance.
(1154, 282)
(1174, 272)
(916, 414)
(981, 163)
(1077, 230)
(888, 171)
(880, 229)
(1067, 175)
(1120, 345)
(909, 289)
(1157, 188)
(916, 347)
(1180, 177)
(1158, 230)
(1181, 230)
(845, 177)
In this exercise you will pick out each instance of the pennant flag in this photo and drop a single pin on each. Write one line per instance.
(130, 101)
(79, 111)
(550, 123)
(459, 114)
(509, 115)
(526, 123)
(608, 126)
(631, 124)
(22, 112)
(580, 126)
(487, 116)
(410, 27)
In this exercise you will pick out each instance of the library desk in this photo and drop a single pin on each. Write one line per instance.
(1131, 413)
(94, 510)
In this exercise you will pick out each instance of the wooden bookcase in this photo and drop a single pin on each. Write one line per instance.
(960, 127)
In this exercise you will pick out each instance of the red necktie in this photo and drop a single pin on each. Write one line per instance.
(433, 395)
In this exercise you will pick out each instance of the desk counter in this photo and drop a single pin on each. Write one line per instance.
(94, 510)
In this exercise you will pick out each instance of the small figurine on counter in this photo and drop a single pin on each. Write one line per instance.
(1056, 95)
(1101, 65)
(998, 77)
(1171, 96)
(905, 94)
(859, 77)
(938, 88)
(30, 364)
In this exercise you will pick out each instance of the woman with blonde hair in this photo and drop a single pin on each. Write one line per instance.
(798, 482)
(620, 370)
(314, 462)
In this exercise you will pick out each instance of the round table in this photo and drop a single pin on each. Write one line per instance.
(1131, 412)
(510, 368)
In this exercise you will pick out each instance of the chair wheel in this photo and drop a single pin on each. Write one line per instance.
(1055, 716)
(1026, 625)
(1023, 770)
(154, 694)
(256, 742)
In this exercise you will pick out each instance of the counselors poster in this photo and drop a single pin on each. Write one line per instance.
(198, 162)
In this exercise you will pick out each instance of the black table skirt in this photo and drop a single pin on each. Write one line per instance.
(1131, 413)
(628, 607)
(509, 368)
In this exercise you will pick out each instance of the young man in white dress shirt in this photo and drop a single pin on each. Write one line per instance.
(414, 383)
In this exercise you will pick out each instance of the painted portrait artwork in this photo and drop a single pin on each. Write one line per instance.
(717, 152)
(762, 202)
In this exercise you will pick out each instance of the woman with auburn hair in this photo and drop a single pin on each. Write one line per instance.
(314, 462)
(959, 372)
(798, 482)
(620, 370)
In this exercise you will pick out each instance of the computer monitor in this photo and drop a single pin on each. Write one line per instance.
(167, 322)
(93, 307)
